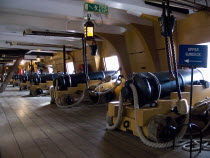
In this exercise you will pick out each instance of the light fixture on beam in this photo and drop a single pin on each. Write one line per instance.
(89, 29)
(52, 33)
(38, 59)
(22, 62)
(40, 45)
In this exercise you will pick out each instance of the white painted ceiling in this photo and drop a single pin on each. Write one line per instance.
(65, 15)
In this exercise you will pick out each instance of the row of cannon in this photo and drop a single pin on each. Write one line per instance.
(60, 85)
(148, 102)
(64, 80)
(35, 78)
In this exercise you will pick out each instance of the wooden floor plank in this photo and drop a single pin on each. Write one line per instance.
(8, 142)
(30, 125)
(109, 148)
(26, 143)
(84, 124)
(65, 145)
(96, 123)
(92, 131)
(49, 149)
(90, 149)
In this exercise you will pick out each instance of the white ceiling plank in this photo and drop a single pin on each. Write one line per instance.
(36, 39)
(32, 22)
(45, 6)
(65, 15)
(136, 7)
(3, 45)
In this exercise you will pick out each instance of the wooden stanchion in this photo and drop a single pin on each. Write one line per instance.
(10, 74)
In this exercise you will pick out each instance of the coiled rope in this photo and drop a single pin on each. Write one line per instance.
(185, 144)
(114, 126)
(140, 131)
(87, 92)
(59, 104)
(116, 84)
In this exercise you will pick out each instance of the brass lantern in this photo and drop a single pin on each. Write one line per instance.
(89, 29)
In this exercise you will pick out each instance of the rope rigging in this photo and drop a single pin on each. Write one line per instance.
(167, 23)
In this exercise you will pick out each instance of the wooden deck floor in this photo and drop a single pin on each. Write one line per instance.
(31, 128)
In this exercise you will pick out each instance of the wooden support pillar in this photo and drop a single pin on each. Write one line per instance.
(10, 74)
(64, 59)
(85, 59)
(31, 66)
(2, 72)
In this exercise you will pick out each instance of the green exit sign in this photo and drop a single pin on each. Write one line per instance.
(97, 8)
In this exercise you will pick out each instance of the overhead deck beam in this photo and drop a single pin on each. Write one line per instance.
(186, 4)
(18, 52)
(5, 61)
(40, 54)
(8, 55)
(14, 52)
(55, 33)
(10, 35)
(173, 8)
(41, 45)
(8, 58)
(44, 49)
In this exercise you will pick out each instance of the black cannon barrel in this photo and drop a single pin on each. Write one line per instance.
(26, 77)
(73, 80)
(80, 78)
(16, 76)
(64, 81)
(152, 86)
(35, 79)
(110, 73)
(43, 78)
(55, 75)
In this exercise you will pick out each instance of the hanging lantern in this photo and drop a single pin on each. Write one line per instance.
(38, 58)
(89, 29)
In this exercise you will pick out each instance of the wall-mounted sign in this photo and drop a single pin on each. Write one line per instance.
(193, 55)
(97, 8)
